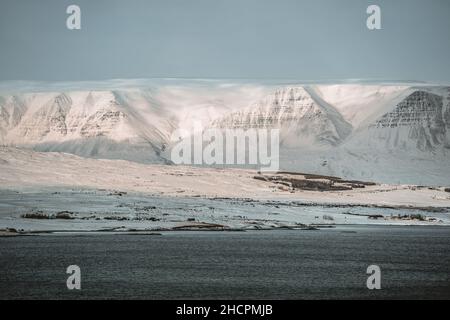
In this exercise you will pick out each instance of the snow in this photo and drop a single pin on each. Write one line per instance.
(361, 104)
(129, 193)
(106, 137)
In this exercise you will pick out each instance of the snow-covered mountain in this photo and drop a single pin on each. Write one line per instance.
(403, 139)
(109, 124)
(394, 133)
(118, 123)
(420, 122)
(304, 121)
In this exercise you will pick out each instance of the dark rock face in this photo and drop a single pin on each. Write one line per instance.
(419, 108)
(102, 123)
(420, 118)
(58, 111)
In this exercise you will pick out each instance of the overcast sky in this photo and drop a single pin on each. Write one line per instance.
(283, 39)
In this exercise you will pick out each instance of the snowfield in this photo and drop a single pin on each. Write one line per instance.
(62, 192)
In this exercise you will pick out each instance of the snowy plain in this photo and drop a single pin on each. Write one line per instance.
(118, 195)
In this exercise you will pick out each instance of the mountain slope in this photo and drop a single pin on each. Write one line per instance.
(87, 123)
(303, 120)
(420, 123)
(393, 133)
(409, 143)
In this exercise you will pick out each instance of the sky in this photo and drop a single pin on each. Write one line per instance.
(252, 39)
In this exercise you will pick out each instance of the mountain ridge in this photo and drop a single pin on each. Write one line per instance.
(341, 121)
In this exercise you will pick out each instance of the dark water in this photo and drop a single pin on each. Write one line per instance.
(414, 262)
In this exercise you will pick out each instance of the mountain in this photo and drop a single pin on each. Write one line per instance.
(109, 124)
(131, 122)
(395, 133)
(420, 122)
(405, 140)
(303, 120)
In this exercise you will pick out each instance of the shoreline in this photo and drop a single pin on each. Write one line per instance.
(161, 232)
(88, 210)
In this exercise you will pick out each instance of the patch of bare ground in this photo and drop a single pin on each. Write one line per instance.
(201, 226)
(65, 215)
(291, 181)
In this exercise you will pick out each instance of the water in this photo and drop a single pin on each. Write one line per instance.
(325, 264)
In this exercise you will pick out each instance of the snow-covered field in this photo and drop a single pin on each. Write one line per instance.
(57, 191)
